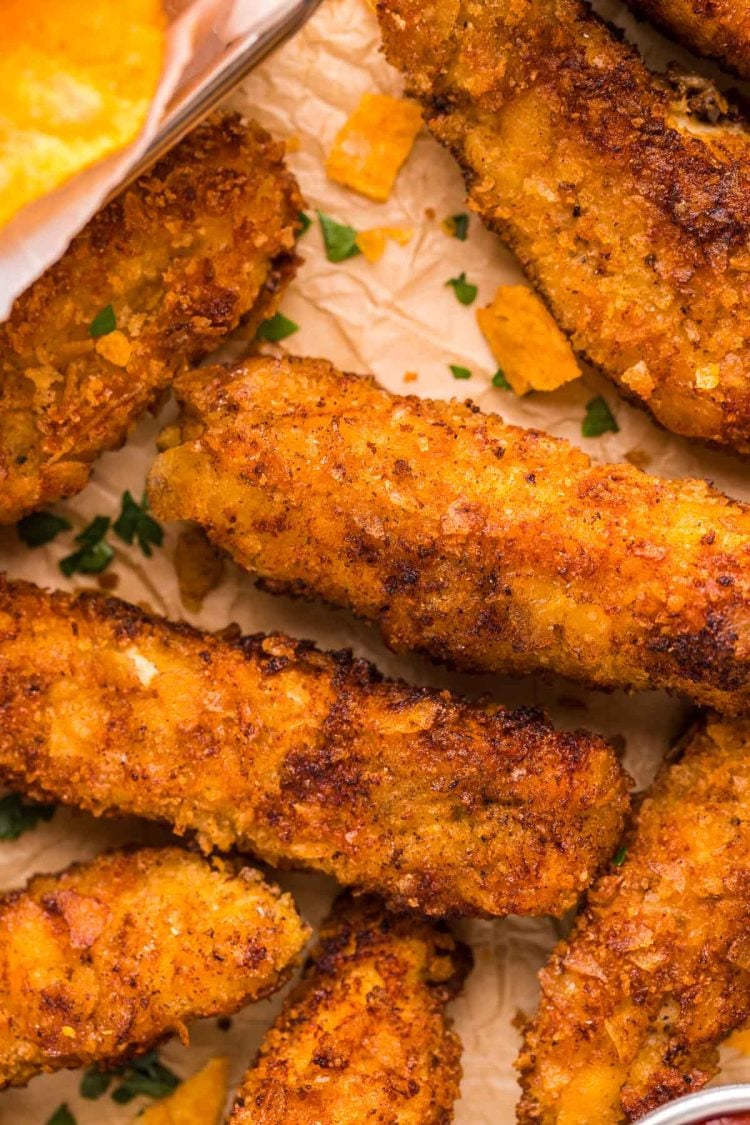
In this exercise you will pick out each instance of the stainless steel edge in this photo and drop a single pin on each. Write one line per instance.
(698, 1107)
(190, 110)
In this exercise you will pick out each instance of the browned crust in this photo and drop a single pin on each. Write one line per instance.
(364, 1035)
(305, 758)
(109, 957)
(655, 973)
(479, 544)
(629, 213)
(718, 29)
(198, 245)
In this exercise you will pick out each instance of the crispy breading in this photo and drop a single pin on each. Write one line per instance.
(302, 757)
(199, 244)
(103, 961)
(719, 29)
(657, 969)
(363, 1037)
(629, 213)
(482, 545)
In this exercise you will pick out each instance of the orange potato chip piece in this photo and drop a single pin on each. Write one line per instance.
(372, 242)
(373, 144)
(199, 1100)
(76, 81)
(526, 342)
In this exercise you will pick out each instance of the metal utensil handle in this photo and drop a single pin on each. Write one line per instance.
(193, 107)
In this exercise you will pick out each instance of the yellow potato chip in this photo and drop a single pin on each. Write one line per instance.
(197, 1101)
(373, 144)
(76, 81)
(526, 342)
(372, 242)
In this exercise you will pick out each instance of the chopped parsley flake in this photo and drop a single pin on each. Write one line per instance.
(145, 1076)
(18, 816)
(94, 555)
(340, 241)
(103, 323)
(619, 857)
(464, 290)
(135, 524)
(40, 528)
(62, 1116)
(458, 226)
(460, 372)
(94, 1083)
(277, 328)
(599, 419)
(499, 380)
(305, 222)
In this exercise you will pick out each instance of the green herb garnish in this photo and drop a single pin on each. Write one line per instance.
(40, 528)
(340, 241)
(18, 816)
(147, 1076)
(94, 555)
(464, 290)
(305, 222)
(619, 857)
(458, 225)
(135, 524)
(460, 372)
(94, 1083)
(277, 328)
(499, 380)
(103, 323)
(599, 419)
(62, 1116)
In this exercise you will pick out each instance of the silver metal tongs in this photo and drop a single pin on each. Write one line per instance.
(203, 91)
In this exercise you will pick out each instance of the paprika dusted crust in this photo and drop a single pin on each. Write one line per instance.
(363, 1037)
(627, 208)
(655, 974)
(108, 958)
(202, 242)
(304, 758)
(481, 545)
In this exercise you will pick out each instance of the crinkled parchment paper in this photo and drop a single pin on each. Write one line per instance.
(388, 318)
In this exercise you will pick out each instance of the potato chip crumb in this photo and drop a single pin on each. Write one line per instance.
(410, 376)
(372, 242)
(707, 378)
(429, 214)
(526, 342)
(199, 1100)
(199, 567)
(639, 458)
(108, 581)
(292, 143)
(68, 1032)
(115, 347)
(373, 144)
(638, 379)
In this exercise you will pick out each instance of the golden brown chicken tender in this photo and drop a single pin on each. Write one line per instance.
(482, 545)
(109, 957)
(302, 757)
(363, 1037)
(656, 971)
(626, 208)
(719, 29)
(199, 244)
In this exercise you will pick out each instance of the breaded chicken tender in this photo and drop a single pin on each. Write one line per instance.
(657, 969)
(625, 205)
(363, 1037)
(719, 29)
(104, 960)
(479, 544)
(305, 758)
(201, 243)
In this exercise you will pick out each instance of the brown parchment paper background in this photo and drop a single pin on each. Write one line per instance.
(388, 318)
